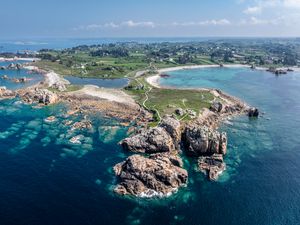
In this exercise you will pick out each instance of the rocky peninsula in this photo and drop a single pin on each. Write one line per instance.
(156, 167)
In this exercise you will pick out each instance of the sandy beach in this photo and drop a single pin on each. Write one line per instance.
(114, 95)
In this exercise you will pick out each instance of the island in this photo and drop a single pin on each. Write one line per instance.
(163, 123)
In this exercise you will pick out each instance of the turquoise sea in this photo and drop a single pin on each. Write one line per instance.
(45, 179)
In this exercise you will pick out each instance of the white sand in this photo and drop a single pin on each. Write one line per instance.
(30, 67)
(106, 93)
(53, 78)
(154, 80)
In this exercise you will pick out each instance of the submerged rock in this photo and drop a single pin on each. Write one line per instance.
(202, 140)
(77, 139)
(82, 125)
(153, 140)
(213, 165)
(159, 175)
(5, 77)
(50, 119)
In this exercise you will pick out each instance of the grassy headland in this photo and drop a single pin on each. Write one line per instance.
(163, 101)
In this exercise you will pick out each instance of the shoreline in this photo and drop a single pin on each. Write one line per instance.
(3, 59)
(153, 80)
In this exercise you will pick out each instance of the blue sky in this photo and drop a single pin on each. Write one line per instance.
(149, 18)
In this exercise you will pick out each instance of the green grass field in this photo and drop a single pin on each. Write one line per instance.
(166, 101)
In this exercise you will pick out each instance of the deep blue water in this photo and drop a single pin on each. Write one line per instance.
(107, 83)
(47, 180)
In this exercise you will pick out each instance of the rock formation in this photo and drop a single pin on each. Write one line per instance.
(173, 127)
(212, 165)
(159, 175)
(180, 112)
(13, 66)
(82, 125)
(41, 96)
(153, 140)
(216, 107)
(202, 140)
(253, 112)
(5, 93)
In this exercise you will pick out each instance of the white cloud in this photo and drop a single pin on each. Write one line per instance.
(131, 23)
(257, 21)
(220, 22)
(216, 22)
(253, 10)
(254, 21)
(291, 3)
(111, 25)
(149, 24)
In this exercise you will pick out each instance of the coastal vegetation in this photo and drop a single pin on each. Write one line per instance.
(124, 59)
(162, 101)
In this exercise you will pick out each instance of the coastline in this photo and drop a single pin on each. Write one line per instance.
(154, 79)
(3, 59)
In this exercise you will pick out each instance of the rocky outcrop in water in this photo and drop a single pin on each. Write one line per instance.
(212, 165)
(5, 93)
(153, 140)
(19, 80)
(253, 112)
(82, 125)
(13, 66)
(202, 140)
(41, 96)
(159, 175)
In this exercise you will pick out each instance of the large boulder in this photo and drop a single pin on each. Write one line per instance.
(212, 166)
(216, 107)
(153, 140)
(159, 175)
(172, 126)
(41, 96)
(180, 112)
(253, 112)
(13, 66)
(5, 93)
(202, 140)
